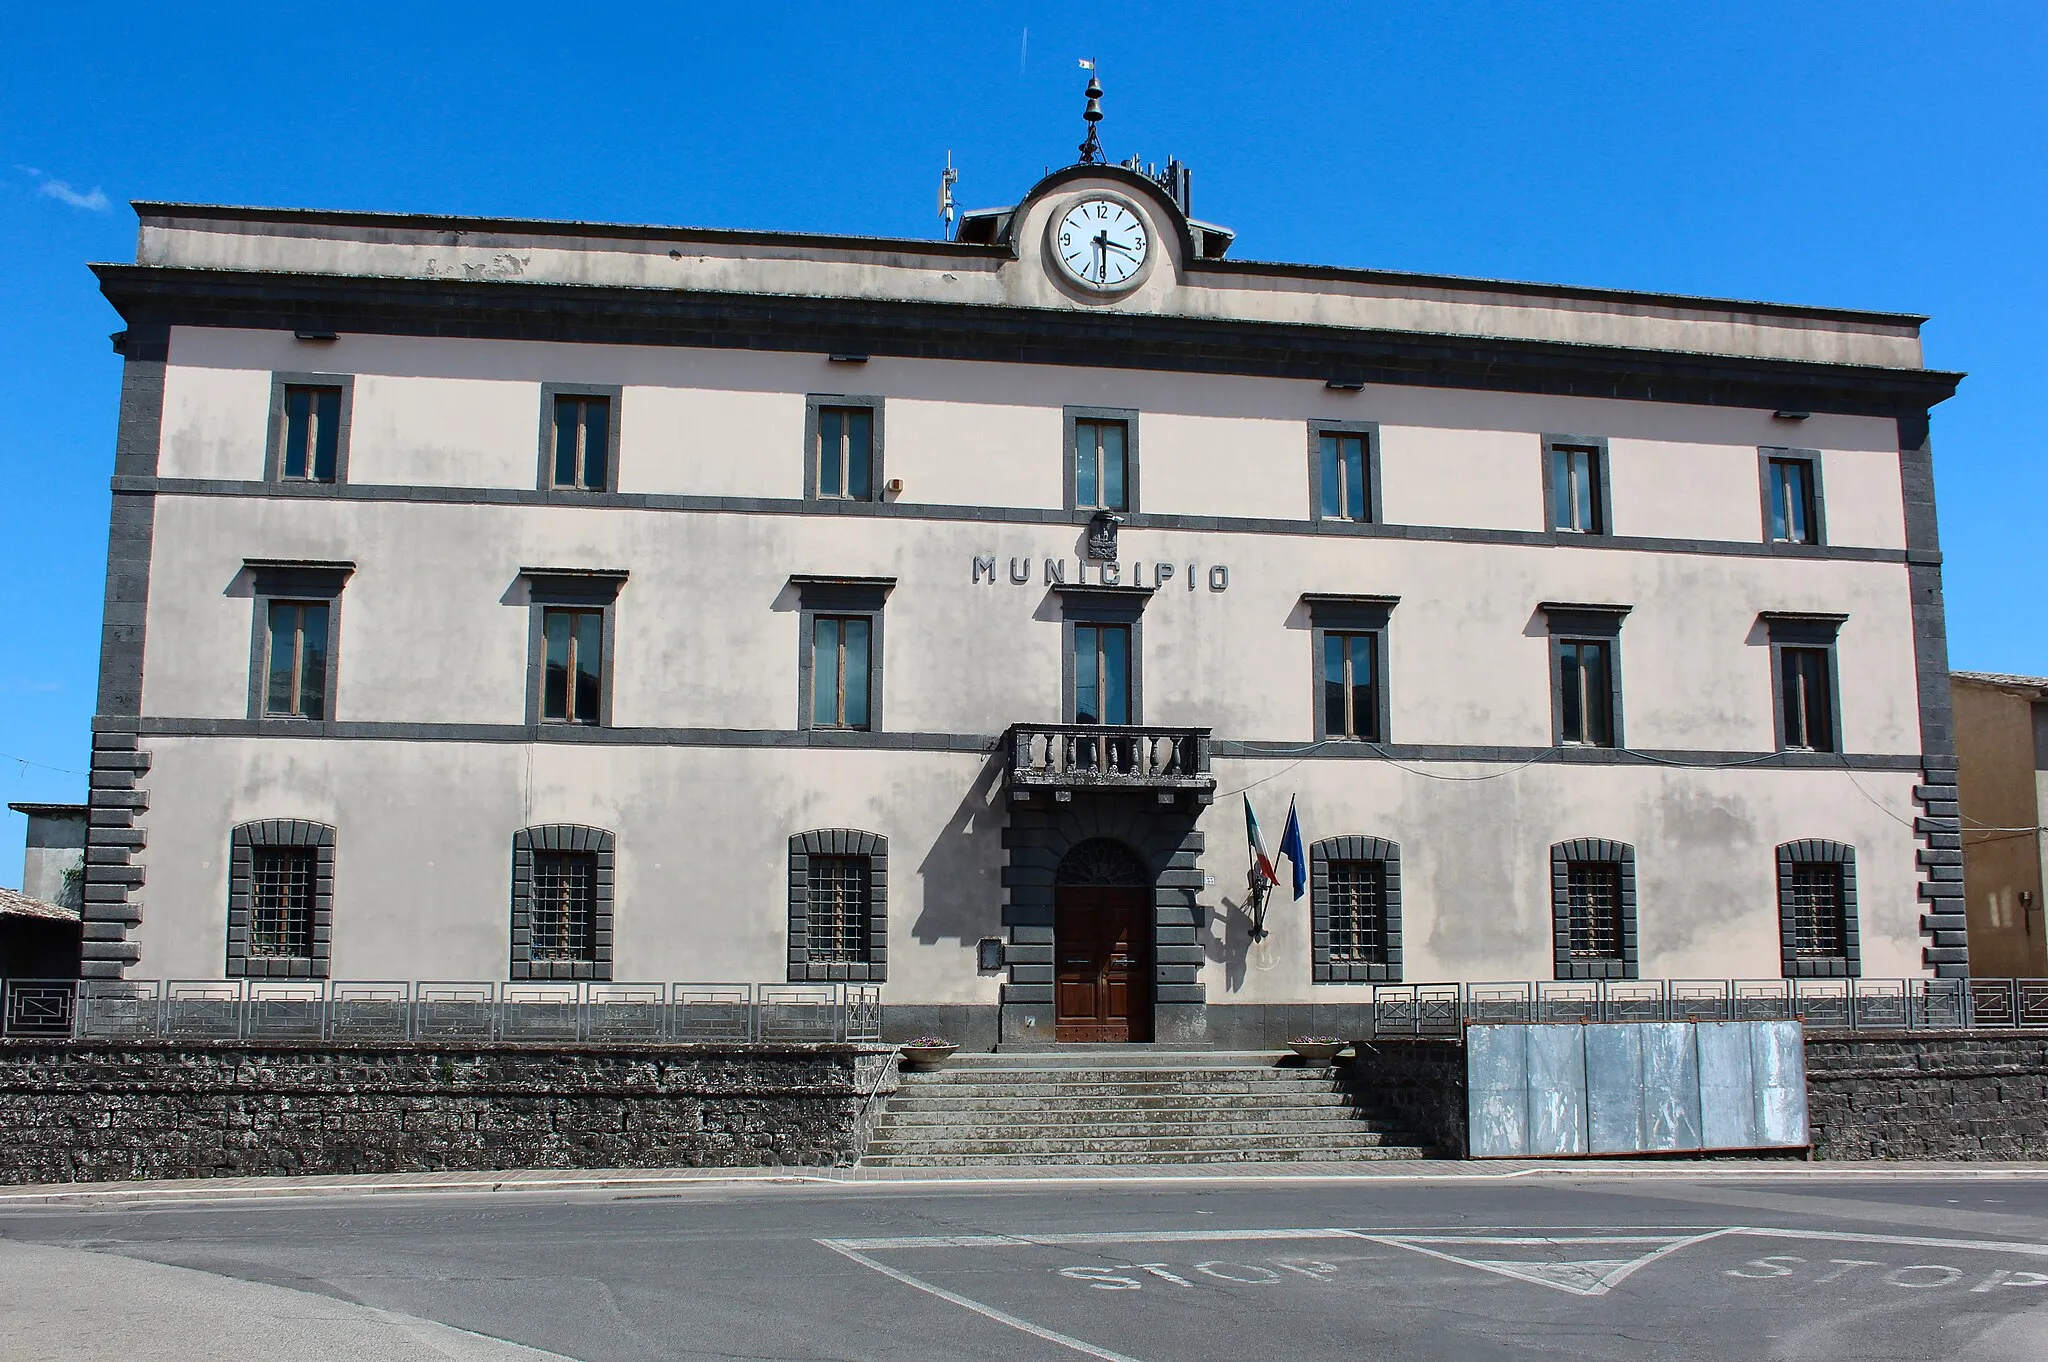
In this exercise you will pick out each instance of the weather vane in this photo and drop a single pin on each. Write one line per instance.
(1091, 149)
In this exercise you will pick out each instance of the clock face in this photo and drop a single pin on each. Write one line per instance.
(1101, 244)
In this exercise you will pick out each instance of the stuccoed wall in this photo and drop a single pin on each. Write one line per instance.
(1908, 1095)
(86, 1113)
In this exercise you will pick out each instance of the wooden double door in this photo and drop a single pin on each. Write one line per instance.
(1102, 954)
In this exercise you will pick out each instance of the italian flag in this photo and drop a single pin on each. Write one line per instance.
(1261, 861)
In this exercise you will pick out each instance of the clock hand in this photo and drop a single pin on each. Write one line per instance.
(1117, 246)
(1101, 256)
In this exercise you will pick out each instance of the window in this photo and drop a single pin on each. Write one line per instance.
(579, 437)
(1593, 908)
(1803, 675)
(307, 446)
(570, 642)
(280, 899)
(312, 432)
(1585, 691)
(572, 683)
(1806, 698)
(582, 442)
(292, 644)
(839, 671)
(838, 905)
(839, 664)
(845, 452)
(1102, 674)
(1585, 673)
(296, 668)
(1355, 910)
(1792, 500)
(843, 448)
(1818, 933)
(562, 877)
(1575, 477)
(1351, 707)
(838, 925)
(1344, 462)
(564, 905)
(1102, 459)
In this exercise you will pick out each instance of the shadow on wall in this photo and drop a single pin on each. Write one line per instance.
(962, 873)
(1230, 941)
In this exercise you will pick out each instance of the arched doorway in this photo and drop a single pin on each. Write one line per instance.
(1102, 944)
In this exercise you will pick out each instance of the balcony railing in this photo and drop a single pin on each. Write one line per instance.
(1063, 758)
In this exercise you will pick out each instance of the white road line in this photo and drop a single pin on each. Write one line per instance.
(1612, 1276)
(1905, 1240)
(1071, 1238)
(986, 1311)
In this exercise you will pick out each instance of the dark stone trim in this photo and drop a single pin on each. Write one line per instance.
(574, 589)
(1788, 629)
(1371, 431)
(838, 842)
(878, 482)
(1013, 515)
(1593, 849)
(1129, 417)
(1765, 455)
(1571, 622)
(1323, 969)
(545, 474)
(562, 837)
(1598, 444)
(279, 832)
(842, 597)
(1849, 964)
(1930, 660)
(277, 581)
(114, 838)
(1369, 615)
(273, 444)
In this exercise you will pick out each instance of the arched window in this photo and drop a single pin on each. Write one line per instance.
(1102, 861)
(1817, 910)
(280, 899)
(562, 877)
(1593, 908)
(1355, 910)
(838, 906)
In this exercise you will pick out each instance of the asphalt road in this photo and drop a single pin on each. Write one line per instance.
(1643, 1266)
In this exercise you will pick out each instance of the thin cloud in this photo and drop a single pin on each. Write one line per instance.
(53, 188)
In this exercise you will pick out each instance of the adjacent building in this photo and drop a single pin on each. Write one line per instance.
(562, 601)
(2002, 741)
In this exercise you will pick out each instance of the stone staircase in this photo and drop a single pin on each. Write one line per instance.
(1130, 1105)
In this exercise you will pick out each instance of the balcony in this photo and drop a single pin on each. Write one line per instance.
(1051, 761)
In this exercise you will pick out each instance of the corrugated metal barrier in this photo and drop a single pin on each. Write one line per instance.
(1564, 1091)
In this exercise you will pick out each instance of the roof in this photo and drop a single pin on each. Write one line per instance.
(14, 904)
(51, 810)
(2004, 679)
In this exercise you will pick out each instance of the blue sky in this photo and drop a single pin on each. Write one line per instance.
(1875, 155)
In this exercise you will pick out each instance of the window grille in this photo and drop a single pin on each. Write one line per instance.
(838, 915)
(1817, 918)
(281, 901)
(1593, 893)
(564, 905)
(1357, 911)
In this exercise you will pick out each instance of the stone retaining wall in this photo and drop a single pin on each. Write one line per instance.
(72, 1111)
(1928, 1095)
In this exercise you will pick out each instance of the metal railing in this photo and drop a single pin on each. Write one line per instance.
(1823, 1004)
(319, 1010)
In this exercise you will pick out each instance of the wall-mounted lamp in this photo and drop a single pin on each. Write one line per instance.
(847, 359)
(312, 335)
(1789, 415)
(1346, 385)
(894, 487)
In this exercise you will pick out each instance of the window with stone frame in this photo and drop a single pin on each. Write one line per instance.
(1593, 909)
(1818, 932)
(1355, 910)
(280, 899)
(562, 899)
(838, 906)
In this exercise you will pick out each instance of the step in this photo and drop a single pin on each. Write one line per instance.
(1112, 1125)
(1099, 1159)
(1122, 1056)
(1141, 1073)
(1035, 1086)
(1142, 1144)
(1172, 1117)
(993, 1099)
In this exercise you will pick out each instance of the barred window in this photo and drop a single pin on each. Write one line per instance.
(281, 901)
(564, 905)
(1817, 918)
(1357, 912)
(1593, 891)
(838, 912)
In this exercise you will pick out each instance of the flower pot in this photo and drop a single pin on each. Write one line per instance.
(1316, 1054)
(920, 1059)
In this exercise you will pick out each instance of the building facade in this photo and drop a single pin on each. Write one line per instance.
(2002, 745)
(523, 600)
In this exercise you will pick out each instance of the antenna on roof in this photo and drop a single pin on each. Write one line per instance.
(947, 180)
(1091, 149)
